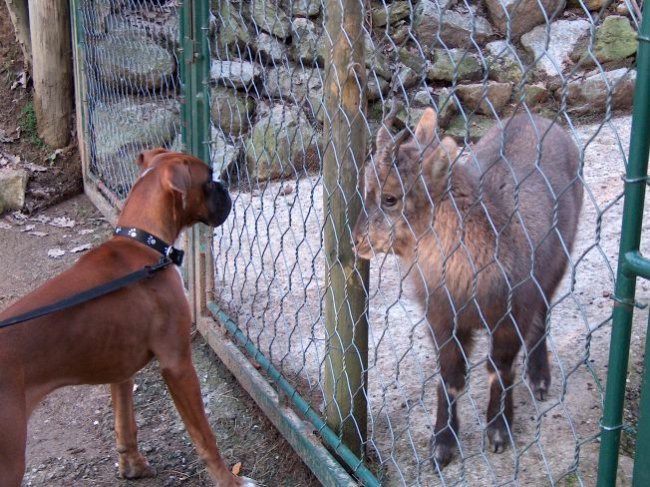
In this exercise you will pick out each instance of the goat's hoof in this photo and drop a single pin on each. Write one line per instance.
(442, 453)
(540, 388)
(135, 466)
(498, 438)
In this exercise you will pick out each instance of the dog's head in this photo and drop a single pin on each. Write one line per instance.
(190, 181)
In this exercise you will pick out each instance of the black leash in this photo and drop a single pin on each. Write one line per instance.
(170, 256)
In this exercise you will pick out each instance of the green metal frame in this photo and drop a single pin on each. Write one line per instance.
(631, 264)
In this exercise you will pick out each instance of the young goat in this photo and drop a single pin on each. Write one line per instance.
(486, 242)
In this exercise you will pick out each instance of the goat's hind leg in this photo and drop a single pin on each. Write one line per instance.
(537, 367)
(505, 346)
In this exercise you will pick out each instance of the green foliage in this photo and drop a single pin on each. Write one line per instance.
(28, 125)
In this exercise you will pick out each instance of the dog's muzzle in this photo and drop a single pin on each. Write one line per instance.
(218, 202)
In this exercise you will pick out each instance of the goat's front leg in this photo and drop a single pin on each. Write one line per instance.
(453, 349)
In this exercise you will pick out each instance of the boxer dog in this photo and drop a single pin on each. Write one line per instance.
(108, 339)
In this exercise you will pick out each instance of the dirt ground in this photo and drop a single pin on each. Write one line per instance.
(71, 440)
(54, 173)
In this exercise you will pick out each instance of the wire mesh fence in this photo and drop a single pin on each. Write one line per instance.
(130, 67)
(476, 64)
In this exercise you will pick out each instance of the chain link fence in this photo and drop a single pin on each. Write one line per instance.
(274, 124)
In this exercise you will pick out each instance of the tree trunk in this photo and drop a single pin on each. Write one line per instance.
(52, 69)
(19, 15)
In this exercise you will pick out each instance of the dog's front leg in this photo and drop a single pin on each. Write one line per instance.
(183, 385)
(133, 464)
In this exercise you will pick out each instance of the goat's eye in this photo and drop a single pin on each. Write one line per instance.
(388, 200)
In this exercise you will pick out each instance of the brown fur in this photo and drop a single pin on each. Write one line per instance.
(107, 340)
(486, 242)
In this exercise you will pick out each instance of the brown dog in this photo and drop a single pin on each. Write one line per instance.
(109, 339)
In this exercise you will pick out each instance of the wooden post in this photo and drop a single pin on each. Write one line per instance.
(19, 14)
(346, 276)
(52, 69)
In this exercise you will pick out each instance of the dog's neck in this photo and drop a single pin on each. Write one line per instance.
(155, 213)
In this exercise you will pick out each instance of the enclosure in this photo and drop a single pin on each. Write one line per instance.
(284, 99)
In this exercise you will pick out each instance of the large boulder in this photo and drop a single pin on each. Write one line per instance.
(450, 64)
(236, 73)
(469, 129)
(485, 98)
(134, 62)
(280, 144)
(224, 152)
(302, 8)
(293, 85)
(434, 23)
(615, 41)
(233, 33)
(13, 183)
(392, 13)
(594, 93)
(520, 16)
(231, 111)
(308, 42)
(376, 60)
(552, 48)
(160, 24)
(121, 130)
(270, 18)
(270, 49)
(504, 62)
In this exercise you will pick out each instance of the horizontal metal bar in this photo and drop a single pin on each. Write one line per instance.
(297, 432)
(634, 264)
(330, 437)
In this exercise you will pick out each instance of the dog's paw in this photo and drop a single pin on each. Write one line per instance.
(135, 466)
(246, 482)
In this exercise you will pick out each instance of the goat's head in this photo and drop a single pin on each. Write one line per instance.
(406, 177)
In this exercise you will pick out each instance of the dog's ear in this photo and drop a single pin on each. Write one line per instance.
(145, 158)
(176, 178)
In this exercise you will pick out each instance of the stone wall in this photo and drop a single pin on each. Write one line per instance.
(268, 62)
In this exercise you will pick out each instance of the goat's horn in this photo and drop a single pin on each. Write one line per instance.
(390, 118)
(401, 136)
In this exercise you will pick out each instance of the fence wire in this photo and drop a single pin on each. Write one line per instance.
(130, 67)
(475, 64)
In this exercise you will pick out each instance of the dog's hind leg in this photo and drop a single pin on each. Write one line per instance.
(133, 464)
(13, 428)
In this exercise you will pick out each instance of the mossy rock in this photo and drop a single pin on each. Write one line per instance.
(280, 144)
(231, 111)
(133, 62)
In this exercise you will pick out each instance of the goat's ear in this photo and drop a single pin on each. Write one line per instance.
(426, 129)
(145, 158)
(436, 165)
(176, 178)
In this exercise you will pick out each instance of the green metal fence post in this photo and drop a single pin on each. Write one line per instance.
(641, 473)
(195, 130)
(346, 277)
(626, 282)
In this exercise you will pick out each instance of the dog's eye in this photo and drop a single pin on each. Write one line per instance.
(388, 200)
